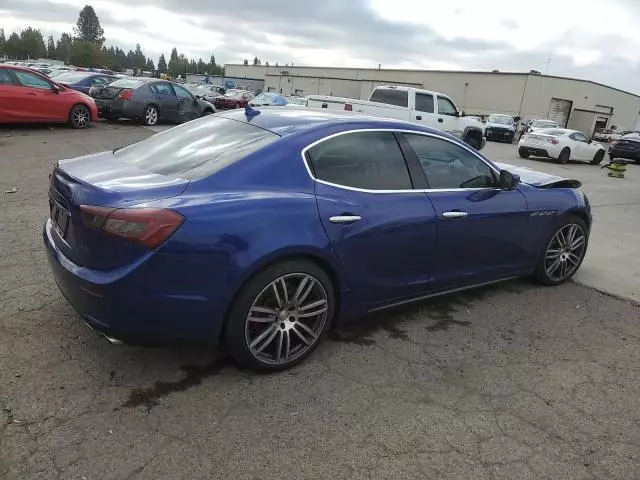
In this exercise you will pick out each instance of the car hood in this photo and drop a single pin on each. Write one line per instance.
(539, 179)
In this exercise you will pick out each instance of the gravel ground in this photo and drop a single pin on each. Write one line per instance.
(516, 381)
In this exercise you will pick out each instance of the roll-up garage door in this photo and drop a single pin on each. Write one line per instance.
(559, 111)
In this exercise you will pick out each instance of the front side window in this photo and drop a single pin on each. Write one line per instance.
(367, 160)
(446, 107)
(31, 80)
(181, 92)
(447, 165)
(424, 102)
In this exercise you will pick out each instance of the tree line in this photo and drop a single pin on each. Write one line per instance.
(86, 48)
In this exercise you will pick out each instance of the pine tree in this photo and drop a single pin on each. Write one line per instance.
(150, 66)
(32, 43)
(88, 27)
(162, 64)
(3, 42)
(246, 62)
(51, 47)
(62, 47)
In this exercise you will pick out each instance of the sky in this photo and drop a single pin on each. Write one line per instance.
(590, 39)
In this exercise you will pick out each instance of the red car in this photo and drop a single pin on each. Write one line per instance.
(233, 99)
(26, 96)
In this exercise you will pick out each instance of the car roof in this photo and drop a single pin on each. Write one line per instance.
(285, 121)
(18, 67)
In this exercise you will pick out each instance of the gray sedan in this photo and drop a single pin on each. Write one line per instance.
(148, 99)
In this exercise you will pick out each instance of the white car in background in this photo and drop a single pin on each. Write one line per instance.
(562, 145)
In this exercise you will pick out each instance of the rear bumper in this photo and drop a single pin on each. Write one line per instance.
(115, 107)
(161, 300)
(535, 151)
(628, 154)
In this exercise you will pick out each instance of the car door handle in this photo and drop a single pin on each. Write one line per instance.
(31, 93)
(419, 117)
(454, 214)
(346, 219)
(440, 120)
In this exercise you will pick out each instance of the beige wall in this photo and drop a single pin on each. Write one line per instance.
(475, 92)
(583, 121)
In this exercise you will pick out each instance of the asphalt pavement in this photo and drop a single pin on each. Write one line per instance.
(516, 381)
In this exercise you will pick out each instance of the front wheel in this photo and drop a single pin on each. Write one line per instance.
(280, 316)
(563, 253)
(523, 153)
(79, 117)
(599, 156)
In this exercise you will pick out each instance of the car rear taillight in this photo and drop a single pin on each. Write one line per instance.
(348, 107)
(146, 226)
(554, 141)
(125, 94)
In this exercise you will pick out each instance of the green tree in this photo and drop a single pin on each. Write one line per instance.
(88, 27)
(176, 63)
(256, 61)
(3, 42)
(32, 43)
(201, 67)
(162, 64)
(85, 54)
(139, 60)
(63, 46)
(246, 62)
(150, 67)
(13, 47)
(51, 47)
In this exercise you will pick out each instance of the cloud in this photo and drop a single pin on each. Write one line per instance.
(590, 41)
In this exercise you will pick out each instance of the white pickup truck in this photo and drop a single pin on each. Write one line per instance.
(414, 105)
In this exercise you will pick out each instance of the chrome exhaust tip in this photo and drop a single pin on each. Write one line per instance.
(112, 340)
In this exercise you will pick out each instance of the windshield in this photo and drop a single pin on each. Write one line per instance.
(544, 124)
(264, 98)
(72, 77)
(196, 149)
(500, 119)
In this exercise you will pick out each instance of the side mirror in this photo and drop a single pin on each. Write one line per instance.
(590, 140)
(55, 88)
(508, 180)
(461, 113)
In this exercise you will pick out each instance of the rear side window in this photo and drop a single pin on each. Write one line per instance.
(390, 96)
(196, 149)
(5, 77)
(367, 160)
(161, 88)
(424, 102)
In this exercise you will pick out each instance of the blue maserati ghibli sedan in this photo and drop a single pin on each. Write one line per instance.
(257, 229)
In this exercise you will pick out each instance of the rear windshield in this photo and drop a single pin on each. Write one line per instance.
(390, 97)
(196, 149)
(552, 131)
(128, 83)
(544, 124)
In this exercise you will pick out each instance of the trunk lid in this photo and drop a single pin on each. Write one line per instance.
(105, 91)
(100, 180)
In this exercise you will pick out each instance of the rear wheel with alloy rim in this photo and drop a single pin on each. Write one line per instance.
(280, 316)
(563, 253)
(150, 115)
(599, 156)
(79, 117)
(564, 156)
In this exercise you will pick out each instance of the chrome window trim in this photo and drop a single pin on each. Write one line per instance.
(393, 130)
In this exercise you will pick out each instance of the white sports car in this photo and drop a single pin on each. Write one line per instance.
(562, 145)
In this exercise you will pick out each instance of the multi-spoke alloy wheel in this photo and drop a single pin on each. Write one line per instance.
(287, 318)
(280, 316)
(564, 253)
(79, 116)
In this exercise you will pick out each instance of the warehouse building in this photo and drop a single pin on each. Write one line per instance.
(580, 104)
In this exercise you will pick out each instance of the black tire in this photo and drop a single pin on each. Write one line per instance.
(510, 139)
(79, 116)
(150, 115)
(237, 328)
(597, 159)
(473, 142)
(564, 156)
(523, 153)
(541, 274)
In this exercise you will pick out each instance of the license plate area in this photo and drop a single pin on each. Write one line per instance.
(60, 217)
